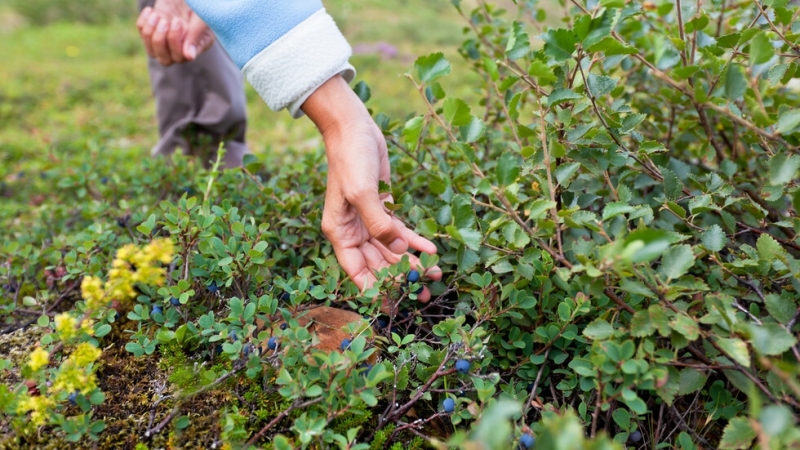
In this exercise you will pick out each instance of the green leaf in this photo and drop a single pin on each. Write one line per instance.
(456, 111)
(686, 326)
(761, 49)
(676, 262)
(473, 130)
(599, 329)
(542, 73)
(691, 381)
(768, 248)
(507, 169)
(412, 131)
(781, 307)
(611, 47)
(518, 44)
(736, 349)
(559, 44)
(771, 339)
(616, 208)
(714, 238)
(788, 121)
(673, 187)
(600, 85)
(738, 434)
(562, 95)
(362, 91)
(432, 67)
(735, 82)
(655, 243)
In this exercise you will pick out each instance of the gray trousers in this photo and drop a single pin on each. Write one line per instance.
(200, 104)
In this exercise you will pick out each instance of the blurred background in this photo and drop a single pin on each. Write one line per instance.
(73, 76)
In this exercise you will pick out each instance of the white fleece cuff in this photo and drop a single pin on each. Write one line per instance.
(287, 72)
(348, 72)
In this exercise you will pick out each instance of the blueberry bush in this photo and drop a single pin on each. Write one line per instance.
(615, 208)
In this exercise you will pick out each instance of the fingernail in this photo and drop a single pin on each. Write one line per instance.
(152, 19)
(162, 27)
(192, 52)
(398, 246)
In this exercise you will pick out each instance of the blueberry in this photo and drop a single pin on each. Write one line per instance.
(367, 367)
(157, 310)
(232, 335)
(527, 440)
(382, 323)
(123, 222)
(213, 287)
(174, 301)
(284, 297)
(345, 344)
(635, 437)
(284, 326)
(419, 291)
(73, 398)
(449, 405)
(462, 366)
(413, 276)
(218, 349)
(272, 343)
(104, 180)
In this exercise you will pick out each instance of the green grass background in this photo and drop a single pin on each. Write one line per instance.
(70, 87)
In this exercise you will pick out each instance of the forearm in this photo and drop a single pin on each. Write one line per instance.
(333, 107)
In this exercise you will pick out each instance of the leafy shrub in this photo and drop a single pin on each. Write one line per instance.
(616, 216)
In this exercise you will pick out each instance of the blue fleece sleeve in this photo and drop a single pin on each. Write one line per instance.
(286, 48)
(245, 27)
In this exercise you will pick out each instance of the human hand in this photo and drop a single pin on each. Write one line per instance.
(364, 235)
(172, 33)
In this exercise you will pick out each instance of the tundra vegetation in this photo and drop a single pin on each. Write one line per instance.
(612, 186)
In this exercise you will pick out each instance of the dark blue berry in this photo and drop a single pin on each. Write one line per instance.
(218, 349)
(272, 343)
(232, 335)
(157, 310)
(527, 441)
(104, 180)
(174, 301)
(247, 349)
(284, 297)
(73, 397)
(213, 287)
(367, 367)
(419, 291)
(636, 436)
(413, 276)
(449, 405)
(462, 366)
(382, 323)
(345, 344)
(284, 326)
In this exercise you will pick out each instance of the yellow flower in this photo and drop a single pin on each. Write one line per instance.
(38, 406)
(92, 291)
(159, 250)
(85, 354)
(39, 358)
(65, 326)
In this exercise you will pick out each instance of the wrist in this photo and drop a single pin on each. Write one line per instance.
(334, 107)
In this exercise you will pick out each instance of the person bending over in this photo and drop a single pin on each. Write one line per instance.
(296, 58)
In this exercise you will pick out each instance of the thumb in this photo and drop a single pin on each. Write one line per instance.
(198, 38)
(379, 223)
